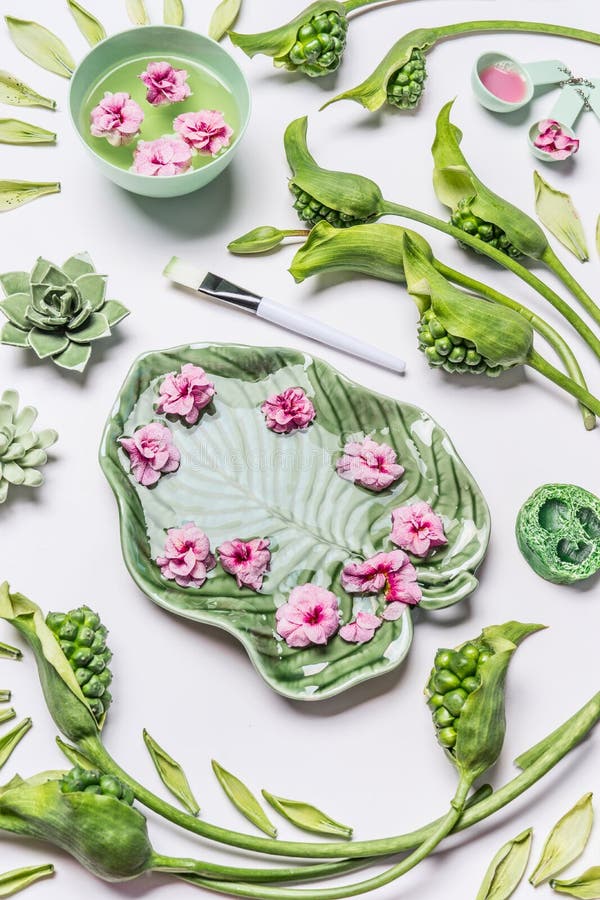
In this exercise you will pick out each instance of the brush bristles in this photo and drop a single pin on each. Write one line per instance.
(184, 273)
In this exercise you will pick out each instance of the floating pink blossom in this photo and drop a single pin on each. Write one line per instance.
(247, 560)
(393, 573)
(288, 411)
(187, 558)
(393, 611)
(205, 131)
(554, 140)
(361, 630)
(151, 453)
(417, 529)
(311, 616)
(116, 118)
(165, 84)
(185, 393)
(369, 464)
(164, 156)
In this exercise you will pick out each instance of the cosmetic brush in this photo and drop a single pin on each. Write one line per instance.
(219, 288)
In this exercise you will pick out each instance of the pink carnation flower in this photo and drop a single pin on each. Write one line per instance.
(311, 616)
(164, 156)
(151, 453)
(362, 629)
(185, 393)
(393, 573)
(116, 118)
(187, 558)
(206, 131)
(288, 411)
(165, 84)
(554, 140)
(369, 464)
(417, 529)
(247, 560)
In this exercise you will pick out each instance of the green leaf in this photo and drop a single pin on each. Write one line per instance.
(9, 741)
(507, 868)
(75, 357)
(14, 308)
(171, 774)
(279, 41)
(77, 265)
(586, 886)
(46, 438)
(15, 193)
(243, 799)
(15, 282)
(95, 327)
(93, 288)
(5, 716)
(115, 312)
(173, 12)
(566, 842)
(260, 239)
(556, 211)
(41, 45)
(14, 131)
(5, 696)
(307, 817)
(18, 879)
(75, 756)
(47, 343)
(136, 10)
(17, 93)
(92, 30)
(223, 18)
(8, 652)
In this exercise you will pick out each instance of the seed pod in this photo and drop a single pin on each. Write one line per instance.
(405, 87)
(464, 218)
(92, 781)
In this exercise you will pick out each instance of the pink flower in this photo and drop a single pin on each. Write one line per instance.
(417, 529)
(393, 573)
(165, 84)
(311, 616)
(362, 629)
(554, 140)
(369, 464)
(393, 611)
(164, 156)
(187, 558)
(151, 453)
(247, 560)
(116, 118)
(205, 131)
(288, 411)
(185, 393)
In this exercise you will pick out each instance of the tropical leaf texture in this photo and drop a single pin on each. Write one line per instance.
(238, 479)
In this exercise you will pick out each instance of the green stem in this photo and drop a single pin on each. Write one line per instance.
(351, 5)
(554, 263)
(406, 212)
(193, 870)
(545, 368)
(543, 328)
(500, 25)
(563, 741)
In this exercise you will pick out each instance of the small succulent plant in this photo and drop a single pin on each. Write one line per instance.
(58, 312)
(22, 450)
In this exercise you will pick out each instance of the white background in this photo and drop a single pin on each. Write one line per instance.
(369, 756)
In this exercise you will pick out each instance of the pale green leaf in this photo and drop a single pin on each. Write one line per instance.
(15, 131)
(75, 357)
(243, 799)
(5, 696)
(17, 879)
(41, 45)
(47, 343)
(17, 93)
(586, 886)
(556, 211)
(93, 288)
(223, 18)
(92, 30)
(114, 311)
(171, 774)
(5, 716)
(77, 265)
(15, 193)
(566, 842)
(9, 741)
(137, 12)
(14, 336)
(95, 327)
(173, 12)
(8, 652)
(75, 757)
(15, 282)
(507, 869)
(307, 817)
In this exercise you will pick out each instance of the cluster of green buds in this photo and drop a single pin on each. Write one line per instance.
(92, 781)
(405, 87)
(455, 675)
(449, 352)
(82, 639)
(311, 211)
(464, 218)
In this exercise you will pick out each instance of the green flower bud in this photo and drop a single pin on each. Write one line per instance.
(405, 87)
(92, 781)
(464, 218)
(451, 353)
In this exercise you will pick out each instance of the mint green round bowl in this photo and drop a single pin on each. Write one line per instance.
(160, 41)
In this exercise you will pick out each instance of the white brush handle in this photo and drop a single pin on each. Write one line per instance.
(325, 334)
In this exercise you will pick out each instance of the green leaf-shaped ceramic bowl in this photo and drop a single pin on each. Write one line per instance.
(239, 479)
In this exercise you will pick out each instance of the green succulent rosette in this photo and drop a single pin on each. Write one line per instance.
(58, 311)
(22, 450)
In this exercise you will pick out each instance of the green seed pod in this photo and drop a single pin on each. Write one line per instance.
(451, 353)
(92, 781)
(464, 218)
(405, 87)
(454, 677)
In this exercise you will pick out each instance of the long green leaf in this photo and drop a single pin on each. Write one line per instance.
(223, 18)
(307, 817)
(137, 12)
(41, 45)
(92, 30)
(244, 799)
(15, 193)
(171, 774)
(17, 93)
(5, 696)
(18, 879)
(586, 886)
(173, 12)
(566, 842)
(75, 757)
(8, 652)
(7, 714)
(507, 869)
(15, 131)
(9, 741)
(556, 211)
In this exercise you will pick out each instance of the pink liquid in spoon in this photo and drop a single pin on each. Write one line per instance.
(504, 81)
